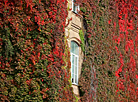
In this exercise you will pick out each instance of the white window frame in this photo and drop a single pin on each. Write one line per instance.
(77, 7)
(77, 64)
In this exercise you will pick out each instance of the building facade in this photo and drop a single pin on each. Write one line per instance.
(74, 42)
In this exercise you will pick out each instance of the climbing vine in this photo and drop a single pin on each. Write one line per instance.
(126, 74)
(34, 65)
(109, 70)
(82, 40)
(35, 58)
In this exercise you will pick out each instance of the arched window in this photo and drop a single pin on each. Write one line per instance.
(74, 62)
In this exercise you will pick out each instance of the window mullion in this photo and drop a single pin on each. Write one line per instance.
(74, 68)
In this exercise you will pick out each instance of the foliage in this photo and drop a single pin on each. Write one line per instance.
(127, 48)
(35, 58)
(82, 40)
(32, 51)
(111, 51)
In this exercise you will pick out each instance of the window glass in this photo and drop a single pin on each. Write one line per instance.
(75, 65)
(74, 62)
(74, 48)
(75, 7)
(76, 79)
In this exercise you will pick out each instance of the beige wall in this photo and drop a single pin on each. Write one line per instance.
(72, 32)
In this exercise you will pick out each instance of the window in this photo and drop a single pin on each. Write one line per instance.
(74, 62)
(75, 7)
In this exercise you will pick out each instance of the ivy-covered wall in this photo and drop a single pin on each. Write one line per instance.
(109, 70)
(34, 60)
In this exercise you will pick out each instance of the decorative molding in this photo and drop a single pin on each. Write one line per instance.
(78, 41)
(75, 27)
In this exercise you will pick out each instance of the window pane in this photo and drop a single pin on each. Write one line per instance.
(72, 59)
(72, 67)
(72, 63)
(75, 69)
(73, 78)
(74, 48)
(73, 7)
(75, 61)
(75, 65)
(76, 79)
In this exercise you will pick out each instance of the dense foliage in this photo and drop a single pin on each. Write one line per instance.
(34, 62)
(111, 48)
(35, 59)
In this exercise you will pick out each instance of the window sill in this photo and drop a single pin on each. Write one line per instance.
(75, 89)
(75, 84)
